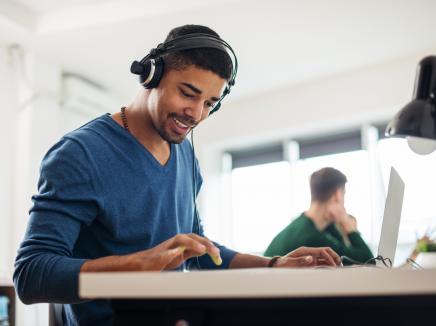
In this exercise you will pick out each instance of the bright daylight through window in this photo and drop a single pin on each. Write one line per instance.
(266, 197)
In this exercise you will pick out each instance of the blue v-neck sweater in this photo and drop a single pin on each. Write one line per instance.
(101, 193)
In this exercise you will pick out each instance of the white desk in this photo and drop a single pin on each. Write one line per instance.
(269, 283)
(268, 296)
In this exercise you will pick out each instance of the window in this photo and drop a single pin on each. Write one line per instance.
(269, 188)
(357, 196)
(261, 197)
(417, 171)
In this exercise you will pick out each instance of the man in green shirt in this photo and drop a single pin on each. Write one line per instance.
(325, 223)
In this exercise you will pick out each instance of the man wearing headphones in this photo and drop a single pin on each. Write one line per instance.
(118, 194)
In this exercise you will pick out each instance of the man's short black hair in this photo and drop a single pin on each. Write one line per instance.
(205, 58)
(324, 183)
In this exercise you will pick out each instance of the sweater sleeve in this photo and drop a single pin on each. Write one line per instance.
(45, 270)
(361, 249)
(357, 250)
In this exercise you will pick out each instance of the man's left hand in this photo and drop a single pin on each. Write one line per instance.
(309, 257)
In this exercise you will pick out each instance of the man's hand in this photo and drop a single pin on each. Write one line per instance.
(308, 257)
(169, 254)
(352, 222)
(173, 252)
(337, 212)
(348, 223)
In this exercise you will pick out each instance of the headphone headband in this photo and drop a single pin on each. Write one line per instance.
(195, 41)
(150, 68)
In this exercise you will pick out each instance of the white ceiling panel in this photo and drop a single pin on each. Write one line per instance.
(278, 42)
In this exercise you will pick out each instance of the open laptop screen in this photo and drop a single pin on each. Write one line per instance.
(391, 217)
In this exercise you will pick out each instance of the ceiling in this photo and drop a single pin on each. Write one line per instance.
(279, 43)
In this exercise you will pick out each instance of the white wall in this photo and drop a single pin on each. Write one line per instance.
(35, 127)
(341, 101)
(33, 120)
(8, 103)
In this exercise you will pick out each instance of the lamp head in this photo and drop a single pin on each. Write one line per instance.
(417, 120)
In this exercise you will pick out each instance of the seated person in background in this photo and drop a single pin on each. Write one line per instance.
(325, 223)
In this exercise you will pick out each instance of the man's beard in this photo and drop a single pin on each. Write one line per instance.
(176, 139)
(172, 140)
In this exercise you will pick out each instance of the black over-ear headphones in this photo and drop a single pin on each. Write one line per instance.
(150, 69)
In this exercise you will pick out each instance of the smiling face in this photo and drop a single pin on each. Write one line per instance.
(182, 100)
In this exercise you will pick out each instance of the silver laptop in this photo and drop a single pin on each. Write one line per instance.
(391, 218)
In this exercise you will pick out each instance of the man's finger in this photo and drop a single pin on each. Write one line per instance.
(168, 256)
(306, 260)
(333, 254)
(302, 261)
(191, 244)
(331, 257)
(323, 262)
(211, 249)
(325, 255)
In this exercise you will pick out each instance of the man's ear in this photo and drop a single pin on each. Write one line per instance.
(337, 195)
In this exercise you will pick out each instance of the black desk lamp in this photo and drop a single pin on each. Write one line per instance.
(417, 120)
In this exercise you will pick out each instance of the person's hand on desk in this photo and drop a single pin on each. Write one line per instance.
(308, 257)
(170, 254)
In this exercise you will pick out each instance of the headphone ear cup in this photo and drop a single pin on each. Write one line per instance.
(154, 70)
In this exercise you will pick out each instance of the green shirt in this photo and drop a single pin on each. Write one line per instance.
(303, 232)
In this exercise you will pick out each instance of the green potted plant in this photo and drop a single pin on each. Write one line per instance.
(426, 251)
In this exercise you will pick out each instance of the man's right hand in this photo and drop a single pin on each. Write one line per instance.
(347, 222)
(170, 254)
